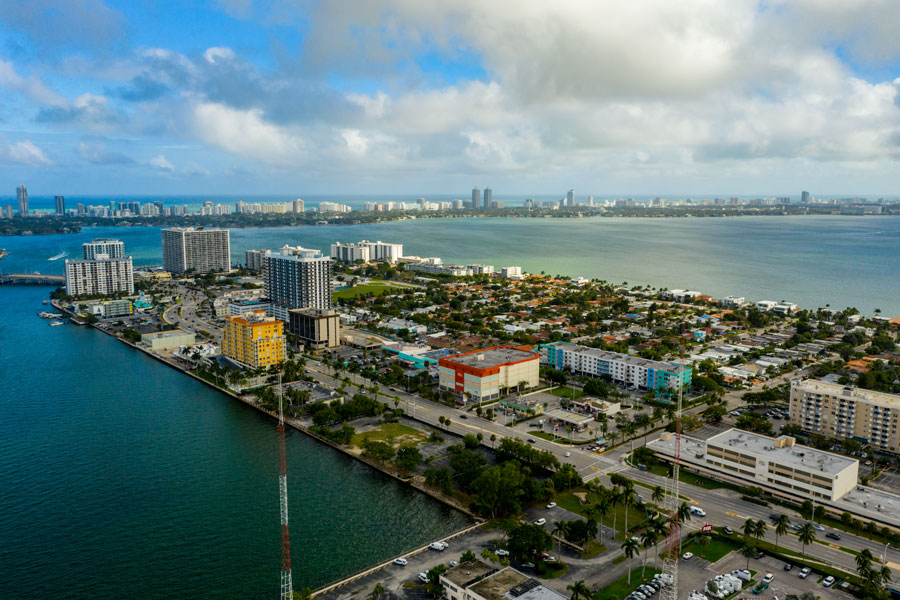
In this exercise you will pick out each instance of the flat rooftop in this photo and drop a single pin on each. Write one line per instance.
(497, 585)
(625, 358)
(156, 335)
(569, 416)
(491, 357)
(849, 392)
(463, 573)
(795, 456)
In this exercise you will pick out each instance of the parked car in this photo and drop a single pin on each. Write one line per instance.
(400, 561)
(423, 577)
(727, 530)
(828, 581)
(540, 521)
(768, 578)
(501, 552)
(832, 536)
(453, 563)
(439, 546)
(551, 505)
(687, 556)
(804, 572)
(788, 566)
(759, 554)
(528, 565)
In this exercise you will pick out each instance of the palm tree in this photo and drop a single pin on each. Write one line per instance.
(759, 529)
(579, 590)
(748, 551)
(659, 525)
(628, 499)
(749, 528)
(886, 575)
(631, 547)
(806, 535)
(648, 540)
(598, 512)
(864, 561)
(658, 494)
(378, 592)
(615, 498)
(782, 524)
(560, 529)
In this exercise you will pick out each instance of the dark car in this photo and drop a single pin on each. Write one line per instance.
(774, 516)
(531, 441)
(788, 566)
(832, 536)
(728, 530)
(759, 554)
(463, 416)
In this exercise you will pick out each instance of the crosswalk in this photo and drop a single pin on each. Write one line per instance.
(604, 466)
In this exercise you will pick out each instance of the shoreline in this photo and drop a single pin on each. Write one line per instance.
(698, 212)
(411, 483)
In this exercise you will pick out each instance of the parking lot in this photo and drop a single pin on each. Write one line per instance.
(785, 582)
(888, 480)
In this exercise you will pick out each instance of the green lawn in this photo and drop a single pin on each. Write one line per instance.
(402, 435)
(716, 549)
(619, 588)
(637, 517)
(366, 290)
(566, 392)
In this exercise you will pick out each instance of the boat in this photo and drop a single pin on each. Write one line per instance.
(50, 315)
(59, 256)
(55, 323)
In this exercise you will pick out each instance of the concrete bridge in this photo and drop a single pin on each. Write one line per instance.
(31, 279)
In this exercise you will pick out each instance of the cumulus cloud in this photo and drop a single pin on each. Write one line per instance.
(90, 111)
(65, 23)
(162, 163)
(24, 152)
(246, 133)
(97, 153)
(644, 88)
(32, 87)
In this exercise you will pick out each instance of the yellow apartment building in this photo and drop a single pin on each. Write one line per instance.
(254, 340)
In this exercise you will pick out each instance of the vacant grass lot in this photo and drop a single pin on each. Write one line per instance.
(715, 550)
(393, 433)
(637, 516)
(375, 288)
(619, 588)
(567, 393)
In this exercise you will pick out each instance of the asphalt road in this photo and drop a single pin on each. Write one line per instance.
(186, 318)
(588, 464)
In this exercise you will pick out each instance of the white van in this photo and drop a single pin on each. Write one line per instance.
(439, 546)
(696, 510)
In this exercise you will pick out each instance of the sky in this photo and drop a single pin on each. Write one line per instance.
(646, 97)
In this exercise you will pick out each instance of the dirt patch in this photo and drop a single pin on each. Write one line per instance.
(582, 496)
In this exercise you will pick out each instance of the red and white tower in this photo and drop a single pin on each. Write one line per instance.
(673, 502)
(287, 586)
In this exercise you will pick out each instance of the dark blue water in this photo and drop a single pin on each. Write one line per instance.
(121, 477)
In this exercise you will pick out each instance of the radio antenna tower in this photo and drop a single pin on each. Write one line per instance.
(673, 502)
(287, 586)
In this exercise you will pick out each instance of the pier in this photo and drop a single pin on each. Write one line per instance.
(32, 279)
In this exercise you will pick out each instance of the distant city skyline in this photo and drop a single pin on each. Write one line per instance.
(105, 98)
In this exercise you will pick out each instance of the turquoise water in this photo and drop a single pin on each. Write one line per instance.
(121, 477)
(813, 261)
